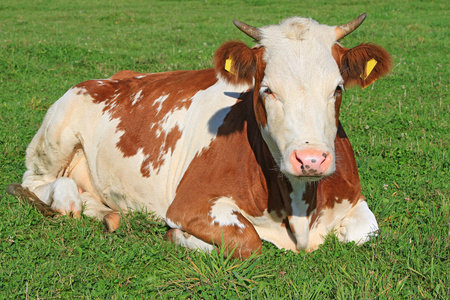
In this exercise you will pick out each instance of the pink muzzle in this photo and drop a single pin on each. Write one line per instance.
(310, 162)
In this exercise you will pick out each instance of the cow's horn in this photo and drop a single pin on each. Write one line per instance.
(343, 30)
(253, 32)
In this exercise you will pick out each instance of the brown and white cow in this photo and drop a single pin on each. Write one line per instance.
(247, 151)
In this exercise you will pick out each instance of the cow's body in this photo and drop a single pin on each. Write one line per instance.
(198, 148)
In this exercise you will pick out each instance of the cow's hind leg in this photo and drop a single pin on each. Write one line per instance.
(62, 195)
(49, 154)
(96, 209)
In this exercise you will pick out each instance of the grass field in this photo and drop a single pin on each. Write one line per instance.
(399, 128)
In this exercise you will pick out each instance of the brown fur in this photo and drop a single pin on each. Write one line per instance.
(243, 62)
(352, 63)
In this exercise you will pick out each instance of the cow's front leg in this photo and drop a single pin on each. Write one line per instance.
(358, 225)
(350, 224)
(214, 223)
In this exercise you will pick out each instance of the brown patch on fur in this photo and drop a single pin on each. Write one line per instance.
(258, 102)
(352, 63)
(132, 99)
(243, 62)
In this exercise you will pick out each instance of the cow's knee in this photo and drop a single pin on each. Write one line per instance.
(358, 225)
(247, 246)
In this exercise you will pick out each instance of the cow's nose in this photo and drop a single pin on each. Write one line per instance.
(310, 162)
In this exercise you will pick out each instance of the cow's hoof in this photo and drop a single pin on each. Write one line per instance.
(174, 235)
(170, 236)
(111, 221)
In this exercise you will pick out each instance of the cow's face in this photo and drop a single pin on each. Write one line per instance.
(299, 72)
(299, 89)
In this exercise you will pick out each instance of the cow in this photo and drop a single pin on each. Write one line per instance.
(249, 150)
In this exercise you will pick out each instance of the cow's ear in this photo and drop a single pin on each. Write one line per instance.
(362, 64)
(235, 62)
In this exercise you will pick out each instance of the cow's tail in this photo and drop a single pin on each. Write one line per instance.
(23, 194)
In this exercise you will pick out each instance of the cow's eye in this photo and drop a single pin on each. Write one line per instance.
(339, 89)
(268, 91)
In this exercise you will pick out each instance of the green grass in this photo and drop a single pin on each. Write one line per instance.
(399, 128)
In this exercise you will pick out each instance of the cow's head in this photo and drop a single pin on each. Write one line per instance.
(299, 72)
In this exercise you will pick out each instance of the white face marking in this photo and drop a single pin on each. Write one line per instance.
(302, 76)
(223, 213)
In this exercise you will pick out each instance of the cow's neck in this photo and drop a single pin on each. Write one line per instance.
(277, 187)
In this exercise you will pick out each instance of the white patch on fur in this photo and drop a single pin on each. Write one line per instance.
(191, 242)
(172, 224)
(349, 223)
(137, 98)
(223, 213)
(270, 228)
(159, 102)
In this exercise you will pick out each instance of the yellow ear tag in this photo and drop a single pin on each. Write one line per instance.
(228, 66)
(369, 67)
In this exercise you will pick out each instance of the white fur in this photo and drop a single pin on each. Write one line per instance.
(223, 213)
(270, 227)
(299, 221)
(191, 242)
(358, 225)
